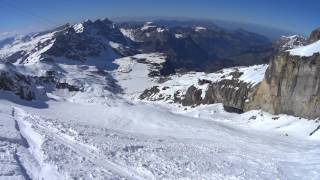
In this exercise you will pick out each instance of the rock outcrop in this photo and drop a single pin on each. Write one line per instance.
(231, 93)
(11, 80)
(291, 86)
(315, 35)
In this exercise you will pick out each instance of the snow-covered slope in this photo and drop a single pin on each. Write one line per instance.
(139, 72)
(143, 141)
(307, 50)
(90, 124)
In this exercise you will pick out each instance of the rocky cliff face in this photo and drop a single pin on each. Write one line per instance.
(291, 86)
(315, 35)
(230, 93)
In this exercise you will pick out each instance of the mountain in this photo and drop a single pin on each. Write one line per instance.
(199, 48)
(92, 101)
(272, 33)
(292, 78)
(188, 48)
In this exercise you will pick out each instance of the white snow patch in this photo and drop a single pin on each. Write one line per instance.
(160, 30)
(178, 36)
(132, 75)
(129, 33)
(78, 28)
(253, 74)
(115, 45)
(307, 50)
(147, 26)
(199, 28)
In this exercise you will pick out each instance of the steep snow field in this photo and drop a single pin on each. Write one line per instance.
(98, 133)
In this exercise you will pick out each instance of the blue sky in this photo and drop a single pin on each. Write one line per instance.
(300, 16)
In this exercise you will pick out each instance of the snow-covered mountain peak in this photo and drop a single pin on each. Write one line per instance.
(77, 42)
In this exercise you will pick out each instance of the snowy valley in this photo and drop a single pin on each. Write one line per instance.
(85, 102)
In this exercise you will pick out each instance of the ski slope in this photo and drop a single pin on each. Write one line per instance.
(144, 141)
(97, 133)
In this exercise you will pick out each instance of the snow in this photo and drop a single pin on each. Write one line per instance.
(307, 50)
(35, 141)
(105, 132)
(132, 75)
(147, 26)
(293, 41)
(30, 47)
(181, 82)
(145, 141)
(129, 33)
(78, 28)
(178, 36)
(199, 28)
(253, 74)
(115, 45)
(160, 30)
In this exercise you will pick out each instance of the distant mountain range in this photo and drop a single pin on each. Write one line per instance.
(272, 33)
(188, 45)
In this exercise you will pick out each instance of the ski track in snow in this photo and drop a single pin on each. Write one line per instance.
(203, 149)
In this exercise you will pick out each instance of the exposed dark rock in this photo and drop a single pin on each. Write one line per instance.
(192, 96)
(67, 86)
(232, 109)
(203, 81)
(149, 92)
(231, 93)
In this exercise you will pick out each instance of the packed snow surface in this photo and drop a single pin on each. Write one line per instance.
(307, 50)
